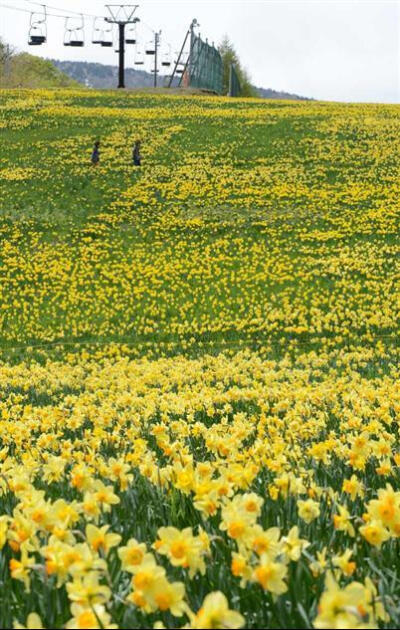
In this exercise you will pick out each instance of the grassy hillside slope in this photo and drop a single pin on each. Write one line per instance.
(199, 362)
(205, 240)
(27, 71)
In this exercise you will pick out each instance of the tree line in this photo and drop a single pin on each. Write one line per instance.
(230, 57)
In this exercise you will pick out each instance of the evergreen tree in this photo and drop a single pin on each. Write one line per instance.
(229, 57)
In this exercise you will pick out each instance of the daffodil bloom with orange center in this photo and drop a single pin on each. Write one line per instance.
(215, 613)
(375, 533)
(88, 618)
(270, 575)
(100, 539)
(132, 554)
(182, 548)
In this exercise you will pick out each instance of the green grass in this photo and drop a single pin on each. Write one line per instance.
(241, 208)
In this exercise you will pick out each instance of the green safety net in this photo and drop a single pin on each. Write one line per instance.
(205, 66)
(234, 83)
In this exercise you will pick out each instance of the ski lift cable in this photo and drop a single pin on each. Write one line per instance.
(148, 27)
(70, 12)
(66, 11)
(7, 6)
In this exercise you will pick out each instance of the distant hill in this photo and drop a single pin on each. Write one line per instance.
(99, 76)
(28, 71)
(268, 93)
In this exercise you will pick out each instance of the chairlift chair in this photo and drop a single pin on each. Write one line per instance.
(97, 32)
(166, 59)
(106, 38)
(38, 28)
(74, 35)
(150, 48)
(36, 38)
(116, 42)
(76, 41)
(131, 37)
(181, 61)
(139, 58)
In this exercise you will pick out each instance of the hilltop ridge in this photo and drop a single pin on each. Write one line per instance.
(100, 76)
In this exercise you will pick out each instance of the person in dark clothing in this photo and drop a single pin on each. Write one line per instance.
(96, 153)
(137, 158)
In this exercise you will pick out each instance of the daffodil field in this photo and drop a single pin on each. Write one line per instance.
(199, 362)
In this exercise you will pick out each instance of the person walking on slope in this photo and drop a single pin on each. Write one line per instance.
(137, 158)
(96, 153)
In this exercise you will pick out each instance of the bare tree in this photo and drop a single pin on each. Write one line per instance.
(6, 55)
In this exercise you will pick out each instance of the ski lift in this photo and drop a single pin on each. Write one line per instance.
(116, 43)
(74, 33)
(150, 48)
(131, 35)
(181, 67)
(106, 43)
(139, 57)
(181, 60)
(97, 32)
(106, 37)
(38, 28)
(166, 59)
(36, 37)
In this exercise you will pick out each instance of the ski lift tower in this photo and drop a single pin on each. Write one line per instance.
(122, 14)
(152, 49)
(190, 34)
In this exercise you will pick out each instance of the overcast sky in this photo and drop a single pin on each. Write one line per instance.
(345, 50)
